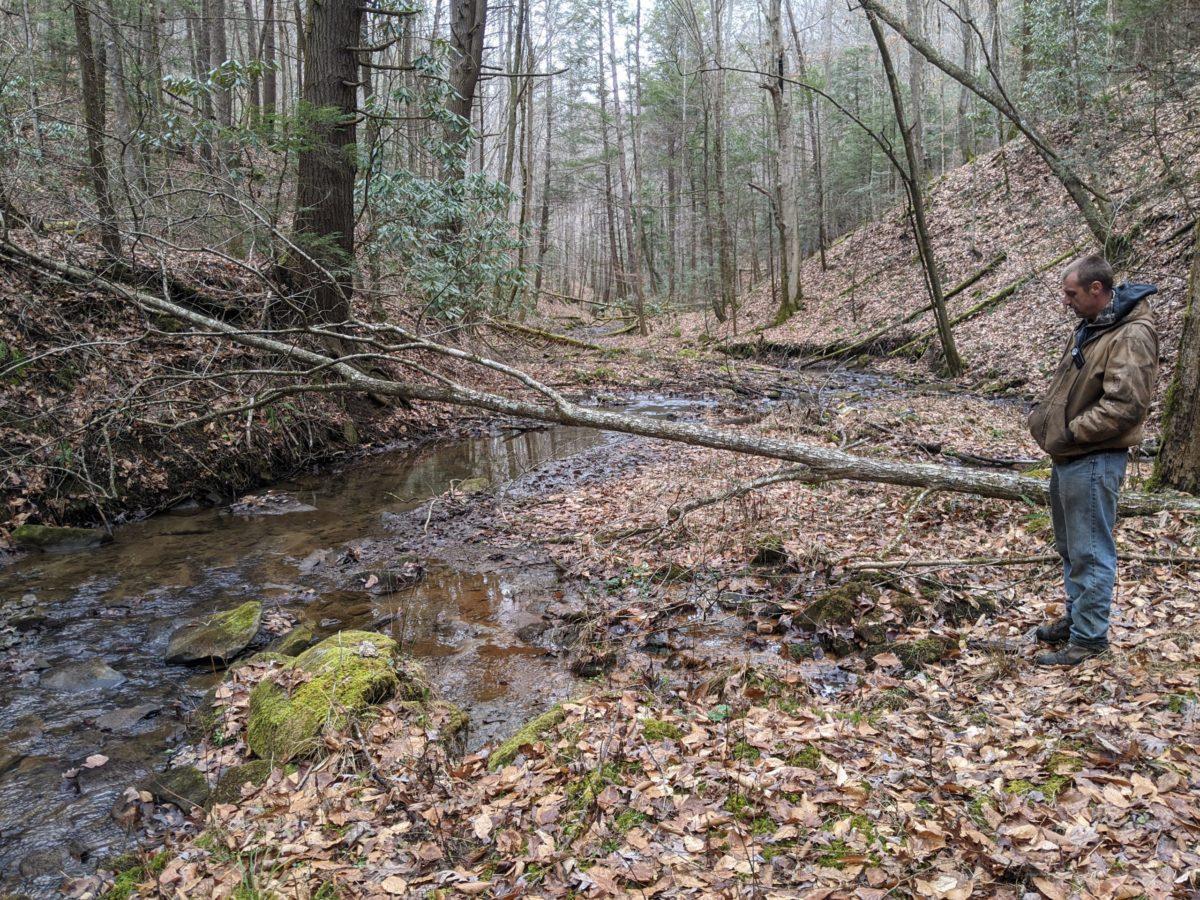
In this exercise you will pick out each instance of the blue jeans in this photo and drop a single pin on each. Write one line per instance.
(1083, 505)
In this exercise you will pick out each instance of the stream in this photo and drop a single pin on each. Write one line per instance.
(118, 605)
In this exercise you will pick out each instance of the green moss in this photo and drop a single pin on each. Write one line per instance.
(808, 758)
(229, 786)
(131, 871)
(746, 752)
(836, 852)
(530, 733)
(658, 730)
(739, 807)
(762, 825)
(838, 605)
(628, 819)
(1049, 789)
(294, 642)
(347, 674)
(221, 636)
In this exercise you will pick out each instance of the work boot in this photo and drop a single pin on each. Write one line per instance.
(1056, 632)
(1070, 655)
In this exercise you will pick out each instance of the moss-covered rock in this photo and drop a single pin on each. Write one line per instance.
(474, 485)
(219, 638)
(52, 539)
(229, 786)
(838, 605)
(530, 733)
(916, 654)
(184, 786)
(294, 642)
(337, 681)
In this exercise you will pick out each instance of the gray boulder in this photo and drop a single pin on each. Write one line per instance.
(89, 675)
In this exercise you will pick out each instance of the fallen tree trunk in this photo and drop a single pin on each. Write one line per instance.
(917, 343)
(835, 350)
(550, 336)
(826, 463)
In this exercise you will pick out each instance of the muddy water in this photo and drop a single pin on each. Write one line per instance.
(119, 604)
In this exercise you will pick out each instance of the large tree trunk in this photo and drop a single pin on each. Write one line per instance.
(321, 272)
(916, 194)
(915, 12)
(468, 24)
(1179, 459)
(219, 48)
(1093, 206)
(93, 123)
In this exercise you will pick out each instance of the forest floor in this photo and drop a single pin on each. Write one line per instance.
(804, 690)
(765, 713)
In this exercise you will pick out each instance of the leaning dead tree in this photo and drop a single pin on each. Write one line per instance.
(382, 345)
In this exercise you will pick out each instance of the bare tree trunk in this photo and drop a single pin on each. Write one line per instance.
(954, 364)
(609, 199)
(966, 128)
(632, 249)
(220, 55)
(916, 83)
(727, 299)
(93, 121)
(814, 131)
(252, 50)
(544, 219)
(1179, 459)
(322, 270)
(270, 86)
(782, 198)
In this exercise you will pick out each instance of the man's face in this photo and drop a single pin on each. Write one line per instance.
(1086, 301)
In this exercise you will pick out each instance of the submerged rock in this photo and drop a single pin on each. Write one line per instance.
(91, 674)
(218, 638)
(53, 539)
(123, 720)
(331, 685)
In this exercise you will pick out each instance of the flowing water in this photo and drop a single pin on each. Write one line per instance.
(118, 604)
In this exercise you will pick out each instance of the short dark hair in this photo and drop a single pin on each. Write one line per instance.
(1091, 268)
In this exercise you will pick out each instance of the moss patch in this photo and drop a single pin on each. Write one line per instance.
(229, 785)
(530, 733)
(294, 642)
(346, 675)
(132, 872)
(658, 730)
(838, 605)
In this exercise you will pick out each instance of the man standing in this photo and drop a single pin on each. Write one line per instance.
(1090, 417)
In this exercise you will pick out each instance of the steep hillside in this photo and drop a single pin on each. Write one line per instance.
(1003, 204)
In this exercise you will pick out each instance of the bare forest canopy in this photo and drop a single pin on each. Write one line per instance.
(298, 178)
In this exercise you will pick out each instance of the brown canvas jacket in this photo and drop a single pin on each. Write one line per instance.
(1102, 405)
